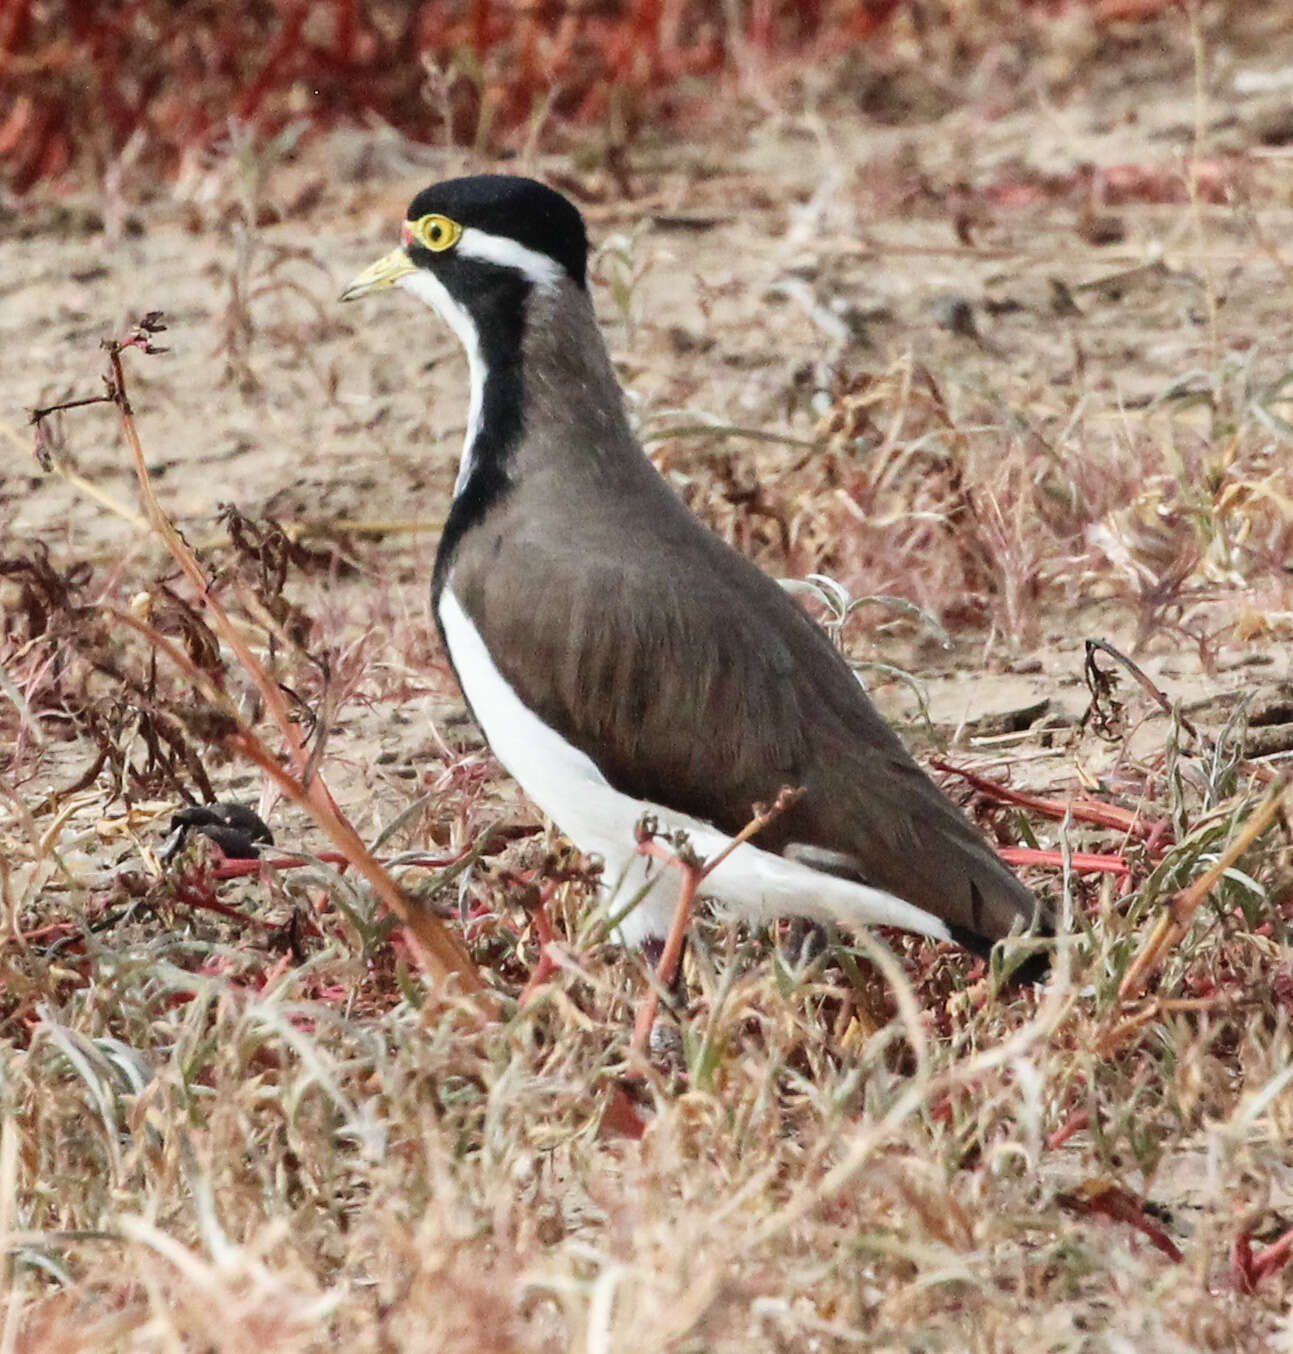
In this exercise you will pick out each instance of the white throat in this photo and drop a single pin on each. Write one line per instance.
(538, 269)
(431, 291)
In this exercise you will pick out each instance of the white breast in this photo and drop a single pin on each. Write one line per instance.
(568, 787)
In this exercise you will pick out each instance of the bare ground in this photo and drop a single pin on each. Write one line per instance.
(1014, 346)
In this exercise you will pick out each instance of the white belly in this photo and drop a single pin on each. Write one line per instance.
(568, 787)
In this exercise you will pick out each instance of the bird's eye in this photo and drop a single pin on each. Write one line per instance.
(436, 233)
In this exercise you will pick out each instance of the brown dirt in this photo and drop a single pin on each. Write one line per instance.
(1114, 233)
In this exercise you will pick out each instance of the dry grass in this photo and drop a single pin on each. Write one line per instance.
(209, 1141)
(237, 1114)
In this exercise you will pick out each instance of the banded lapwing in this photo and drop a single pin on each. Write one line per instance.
(620, 658)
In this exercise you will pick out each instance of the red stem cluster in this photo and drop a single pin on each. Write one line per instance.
(84, 77)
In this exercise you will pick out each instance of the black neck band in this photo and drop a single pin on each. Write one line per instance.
(497, 308)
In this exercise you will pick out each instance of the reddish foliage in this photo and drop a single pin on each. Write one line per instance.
(1114, 185)
(1084, 810)
(92, 73)
(87, 76)
(1282, 988)
(1139, 183)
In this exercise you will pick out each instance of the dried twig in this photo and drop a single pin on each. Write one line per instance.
(1097, 680)
(693, 875)
(441, 953)
(1173, 925)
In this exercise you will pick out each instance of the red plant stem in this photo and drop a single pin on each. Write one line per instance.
(239, 869)
(1111, 11)
(236, 869)
(203, 900)
(1159, 837)
(1081, 862)
(693, 876)
(1076, 1122)
(546, 965)
(55, 930)
(1242, 1278)
(1113, 1202)
(1085, 810)
(1248, 1270)
(667, 970)
(1274, 1256)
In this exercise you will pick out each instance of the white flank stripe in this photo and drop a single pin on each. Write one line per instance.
(541, 270)
(568, 787)
(431, 291)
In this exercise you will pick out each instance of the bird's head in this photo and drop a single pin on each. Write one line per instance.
(470, 244)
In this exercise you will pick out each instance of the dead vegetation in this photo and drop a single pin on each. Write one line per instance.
(240, 1108)
(108, 89)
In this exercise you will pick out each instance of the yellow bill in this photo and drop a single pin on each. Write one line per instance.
(386, 272)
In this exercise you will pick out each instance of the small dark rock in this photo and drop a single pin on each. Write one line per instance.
(236, 830)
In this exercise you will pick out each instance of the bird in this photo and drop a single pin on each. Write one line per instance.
(625, 663)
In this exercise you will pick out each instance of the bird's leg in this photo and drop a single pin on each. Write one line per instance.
(653, 951)
(805, 942)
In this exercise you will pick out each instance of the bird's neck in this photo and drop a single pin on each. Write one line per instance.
(576, 428)
(544, 405)
(494, 338)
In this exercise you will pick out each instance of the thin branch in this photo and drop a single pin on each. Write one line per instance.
(35, 416)
(1174, 924)
(1159, 697)
(441, 953)
(693, 876)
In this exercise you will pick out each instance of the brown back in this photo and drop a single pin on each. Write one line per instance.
(698, 683)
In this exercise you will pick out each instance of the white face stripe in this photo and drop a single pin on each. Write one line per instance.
(477, 244)
(508, 253)
(566, 784)
(429, 289)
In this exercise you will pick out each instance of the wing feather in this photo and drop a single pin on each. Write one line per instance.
(706, 689)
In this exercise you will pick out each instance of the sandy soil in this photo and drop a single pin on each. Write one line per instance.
(1050, 266)
(1057, 265)
(736, 286)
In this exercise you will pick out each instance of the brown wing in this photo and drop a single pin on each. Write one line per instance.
(704, 688)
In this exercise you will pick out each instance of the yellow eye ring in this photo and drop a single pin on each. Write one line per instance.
(434, 232)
